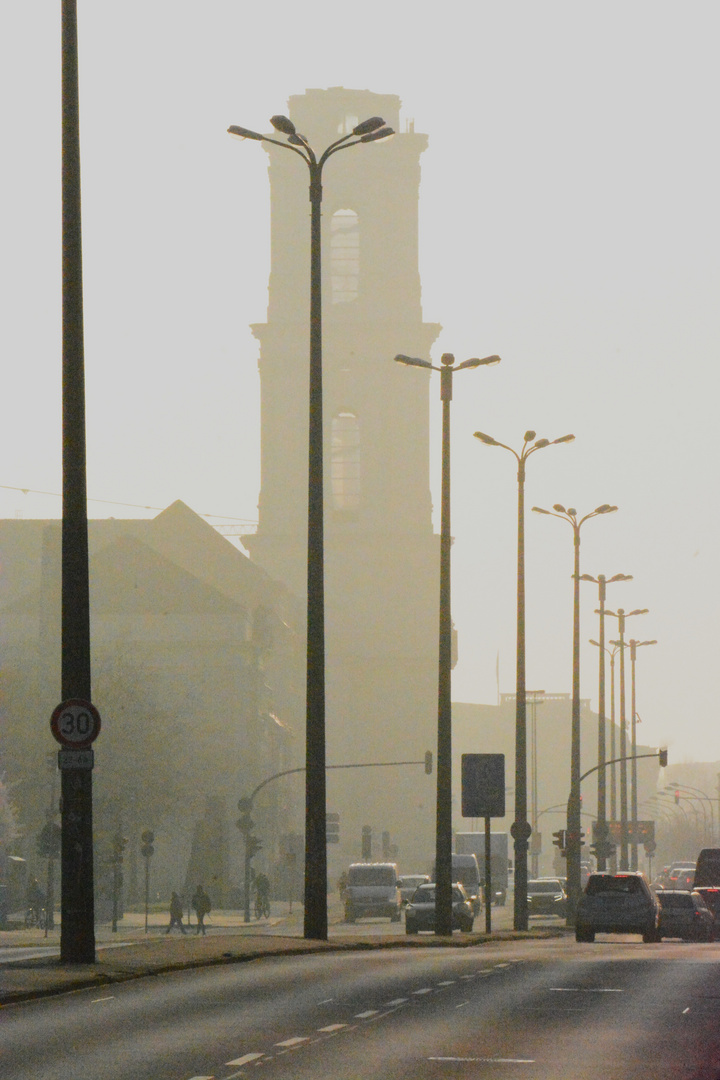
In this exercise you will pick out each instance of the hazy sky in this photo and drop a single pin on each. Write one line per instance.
(568, 221)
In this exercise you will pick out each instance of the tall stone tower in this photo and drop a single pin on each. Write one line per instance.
(381, 557)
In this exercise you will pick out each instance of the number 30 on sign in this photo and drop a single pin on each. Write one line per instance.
(75, 723)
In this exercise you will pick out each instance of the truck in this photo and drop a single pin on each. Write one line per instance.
(473, 843)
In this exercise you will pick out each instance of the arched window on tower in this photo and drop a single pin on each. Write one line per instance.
(345, 461)
(344, 256)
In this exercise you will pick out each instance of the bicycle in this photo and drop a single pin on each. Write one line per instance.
(262, 907)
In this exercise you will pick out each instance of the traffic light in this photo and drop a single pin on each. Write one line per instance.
(559, 840)
(245, 823)
(366, 842)
(252, 846)
(119, 845)
(677, 798)
(428, 762)
(662, 758)
(332, 828)
(147, 848)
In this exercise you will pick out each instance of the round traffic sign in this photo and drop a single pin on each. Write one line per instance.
(75, 723)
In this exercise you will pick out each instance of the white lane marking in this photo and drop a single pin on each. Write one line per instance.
(95, 1001)
(462, 1004)
(245, 1059)
(491, 1061)
(501, 966)
(332, 1027)
(364, 1015)
(425, 990)
(686, 1010)
(326, 1001)
(467, 976)
(447, 982)
(202, 1078)
(584, 990)
(295, 1041)
(397, 1001)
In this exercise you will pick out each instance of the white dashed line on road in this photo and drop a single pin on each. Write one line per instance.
(397, 1001)
(332, 1027)
(447, 982)
(364, 1015)
(295, 1041)
(245, 1059)
(425, 990)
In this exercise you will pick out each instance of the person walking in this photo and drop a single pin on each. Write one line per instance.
(201, 903)
(262, 896)
(176, 913)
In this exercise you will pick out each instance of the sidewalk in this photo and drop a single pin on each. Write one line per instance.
(131, 954)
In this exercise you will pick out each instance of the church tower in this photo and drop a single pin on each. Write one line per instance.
(381, 556)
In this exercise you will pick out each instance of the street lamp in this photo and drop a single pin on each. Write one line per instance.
(443, 840)
(603, 846)
(316, 921)
(573, 816)
(634, 646)
(702, 795)
(520, 828)
(612, 653)
(621, 615)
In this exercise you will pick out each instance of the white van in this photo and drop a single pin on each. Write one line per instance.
(372, 890)
(465, 869)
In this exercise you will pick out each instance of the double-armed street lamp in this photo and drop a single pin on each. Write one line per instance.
(443, 840)
(603, 846)
(700, 795)
(612, 653)
(371, 130)
(574, 839)
(621, 615)
(634, 646)
(521, 829)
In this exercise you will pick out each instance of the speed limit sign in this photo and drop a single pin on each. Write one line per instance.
(75, 723)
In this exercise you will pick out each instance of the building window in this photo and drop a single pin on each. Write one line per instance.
(344, 256)
(345, 461)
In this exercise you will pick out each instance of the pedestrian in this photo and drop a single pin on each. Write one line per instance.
(176, 913)
(201, 903)
(262, 896)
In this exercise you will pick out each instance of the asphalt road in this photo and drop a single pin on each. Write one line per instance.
(616, 1010)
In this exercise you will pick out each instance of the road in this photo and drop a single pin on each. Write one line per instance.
(615, 1010)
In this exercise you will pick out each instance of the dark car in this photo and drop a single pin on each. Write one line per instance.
(420, 912)
(620, 903)
(685, 915)
(711, 896)
(546, 896)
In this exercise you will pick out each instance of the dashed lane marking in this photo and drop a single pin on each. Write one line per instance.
(425, 990)
(488, 1060)
(245, 1059)
(585, 990)
(364, 1015)
(295, 1041)
(332, 1027)
(96, 1001)
(397, 1001)
(447, 982)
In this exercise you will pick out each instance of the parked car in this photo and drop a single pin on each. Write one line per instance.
(620, 903)
(408, 883)
(372, 890)
(420, 912)
(546, 896)
(685, 915)
(711, 896)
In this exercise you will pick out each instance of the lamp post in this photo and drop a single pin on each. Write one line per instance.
(621, 615)
(634, 646)
(520, 828)
(612, 653)
(702, 795)
(603, 846)
(574, 840)
(316, 922)
(443, 839)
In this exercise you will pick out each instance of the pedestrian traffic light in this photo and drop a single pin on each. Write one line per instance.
(332, 828)
(662, 758)
(366, 842)
(428, 762)
(252, 846)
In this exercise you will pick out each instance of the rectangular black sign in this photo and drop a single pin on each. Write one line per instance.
(483, 785)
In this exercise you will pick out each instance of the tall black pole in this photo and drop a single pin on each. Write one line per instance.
(623, 750)
(573, 814)
(602, 827)
(520, 828)
(443, 851)
(315, 924)
(77, 931)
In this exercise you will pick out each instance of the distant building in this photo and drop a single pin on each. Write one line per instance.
(197, 672)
